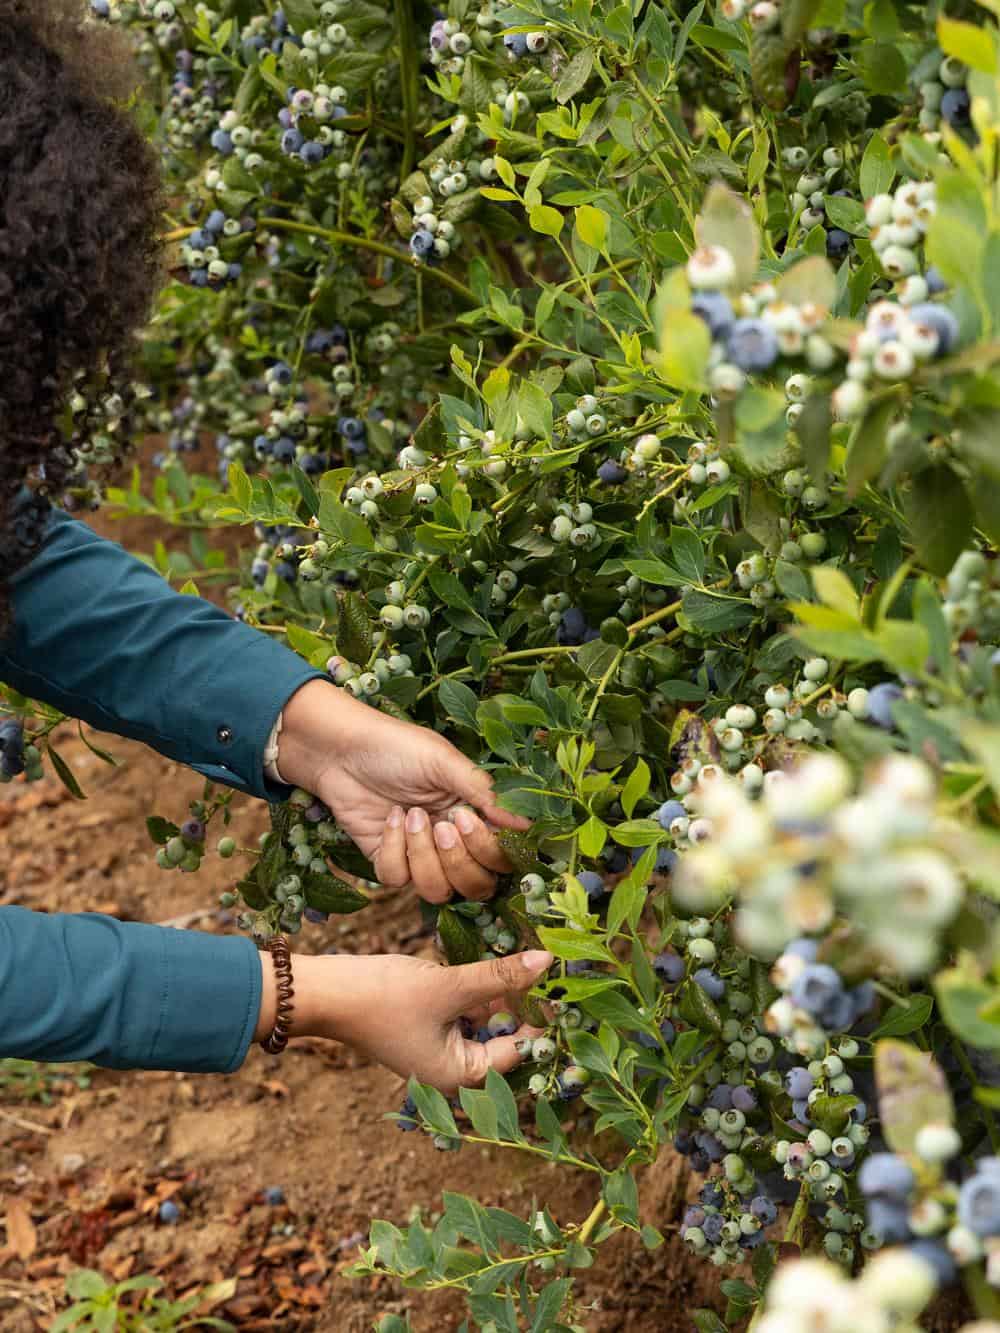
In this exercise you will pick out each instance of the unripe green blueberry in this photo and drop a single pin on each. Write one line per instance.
(226, 847)
(813, 544)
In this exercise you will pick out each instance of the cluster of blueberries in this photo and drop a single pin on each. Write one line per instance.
(11, 748)
(202, 254)
(945, 1240)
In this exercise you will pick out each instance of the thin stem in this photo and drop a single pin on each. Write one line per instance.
(408, 75)
(590, 1225)
(798, 1217)
(376, 247)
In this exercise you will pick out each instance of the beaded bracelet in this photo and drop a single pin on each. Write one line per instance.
(278, 1040)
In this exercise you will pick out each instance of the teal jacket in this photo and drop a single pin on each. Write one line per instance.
(102, 637)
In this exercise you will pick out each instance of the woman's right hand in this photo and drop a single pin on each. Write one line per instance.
(404, 1012)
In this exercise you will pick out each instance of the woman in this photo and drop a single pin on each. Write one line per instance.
(85, 627)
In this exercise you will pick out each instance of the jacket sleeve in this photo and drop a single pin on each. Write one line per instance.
(124, 995)
(100, 636)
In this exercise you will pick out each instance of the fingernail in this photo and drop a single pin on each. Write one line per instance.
(416, 820)
(395, 816)
(535, 960)
(464, 821)
(445, 836)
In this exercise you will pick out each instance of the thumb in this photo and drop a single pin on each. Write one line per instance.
(479, 983)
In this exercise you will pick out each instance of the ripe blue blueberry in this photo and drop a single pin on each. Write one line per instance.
(764, 1210)
(884, 1175)
(941, 320)
(408, 1111)
(274, 1195)
(612, 473)
(572, 627)
(713, 1228)
(222, 143)
(888, 1218)
(717, 312)
(936, 1255)
(422, 243)
(838, 243)
(752, 345)
(935, 281)
(721, 1097)
(669, 968)
(169, 1212)
(798, 1083)
(713, 986)
(979, 1201)
(215, 221)
(880, 700)
(955, 106)
(744, 1099)
(292, 140)
(668, 812)
(592, 883)
(312, 153)
(516, 44)
(815, 987)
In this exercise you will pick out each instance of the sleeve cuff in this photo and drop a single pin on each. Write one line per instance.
(207, 1002)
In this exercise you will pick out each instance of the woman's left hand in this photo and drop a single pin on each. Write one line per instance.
(413, 803)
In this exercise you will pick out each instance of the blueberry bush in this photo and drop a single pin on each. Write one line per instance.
(613, 387)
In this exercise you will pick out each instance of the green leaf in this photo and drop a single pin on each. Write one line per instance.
(688, 554)
(592, 226)
(963, 997)
(66, 775)
(574, 946)
(811, 280)
(635, 788)
(480, 1109)
(940, 516)
(726, 219)
(685, 344)
(459, 937)
(971, 43)
(866, 452)
(813, 429)
(592, 836)
(574, 77)
(709, 614)
(161, 830)
(327, 893)
(499, 1092)
(544, 219)
(433, 1109)
(903, 1019)
(912, 1092)
(354, 635)
(877, 170)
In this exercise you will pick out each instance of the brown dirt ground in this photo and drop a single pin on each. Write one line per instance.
(81, 1178)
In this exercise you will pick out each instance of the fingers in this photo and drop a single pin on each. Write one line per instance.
(479, 841)
(390, 858)
(502, 1054)
(479, 983)
(476, 786)
(426, 871)
(464, 871)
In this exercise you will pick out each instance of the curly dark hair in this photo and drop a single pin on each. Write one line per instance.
(80, 257)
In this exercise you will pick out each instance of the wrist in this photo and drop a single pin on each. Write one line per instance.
(311, 1015)
(318, 723)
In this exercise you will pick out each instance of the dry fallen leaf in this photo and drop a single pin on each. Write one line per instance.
(21, 1232)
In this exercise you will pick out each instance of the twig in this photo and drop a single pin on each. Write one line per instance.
(21, 1123)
